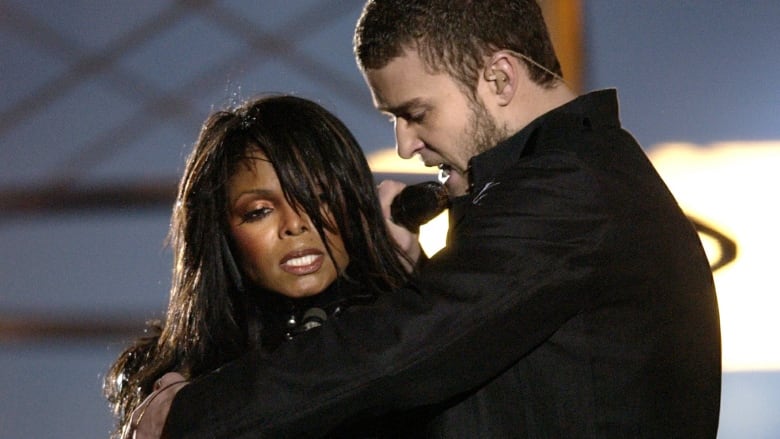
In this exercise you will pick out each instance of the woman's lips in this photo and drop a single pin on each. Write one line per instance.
(302, 262)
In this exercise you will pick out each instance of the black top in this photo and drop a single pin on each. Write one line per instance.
(284, 318)
(573, 300)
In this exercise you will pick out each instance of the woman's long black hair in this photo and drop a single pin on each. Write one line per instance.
(210, 320)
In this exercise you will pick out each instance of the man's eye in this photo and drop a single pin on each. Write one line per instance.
(256, 214)
(416, 117)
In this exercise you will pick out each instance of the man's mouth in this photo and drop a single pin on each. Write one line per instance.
(444, 173)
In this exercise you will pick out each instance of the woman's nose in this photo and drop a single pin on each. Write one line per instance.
(294, 223)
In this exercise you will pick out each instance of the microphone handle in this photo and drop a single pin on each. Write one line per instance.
(419, 203)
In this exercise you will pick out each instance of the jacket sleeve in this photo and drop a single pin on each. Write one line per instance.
(521, 257)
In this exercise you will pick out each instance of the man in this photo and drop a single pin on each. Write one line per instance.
(573, 298)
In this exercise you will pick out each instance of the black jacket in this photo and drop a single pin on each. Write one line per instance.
(573, 300)
(284, 319)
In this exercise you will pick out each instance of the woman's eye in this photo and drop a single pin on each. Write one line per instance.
(256, 214)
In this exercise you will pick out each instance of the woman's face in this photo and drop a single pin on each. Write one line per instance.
(278, 248)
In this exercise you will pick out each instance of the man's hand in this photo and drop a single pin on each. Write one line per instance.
(148, 419)
(406, 240)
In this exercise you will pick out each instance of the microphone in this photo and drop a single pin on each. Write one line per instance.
(419, 203)
(312, 318)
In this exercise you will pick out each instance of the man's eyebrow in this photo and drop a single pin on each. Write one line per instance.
(401, 108)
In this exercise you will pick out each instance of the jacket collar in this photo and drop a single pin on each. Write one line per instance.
(584, 113)
(596, 109)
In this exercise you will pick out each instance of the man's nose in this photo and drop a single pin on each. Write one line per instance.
(407, 142)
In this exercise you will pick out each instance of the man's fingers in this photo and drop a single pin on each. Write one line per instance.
(387, 190)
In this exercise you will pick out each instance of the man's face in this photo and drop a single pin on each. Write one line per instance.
(433, 118)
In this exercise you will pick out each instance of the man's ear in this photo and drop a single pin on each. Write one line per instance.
(501, 79)
(502, 73)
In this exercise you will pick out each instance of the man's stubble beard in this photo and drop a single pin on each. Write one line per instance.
(482, 133)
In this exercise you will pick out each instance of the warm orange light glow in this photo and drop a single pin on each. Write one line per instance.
(731, 187)
(386, 160)
(433, 235)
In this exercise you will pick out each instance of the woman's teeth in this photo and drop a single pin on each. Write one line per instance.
(302, 261)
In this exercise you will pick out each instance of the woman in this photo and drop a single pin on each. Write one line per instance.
(276, 227)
